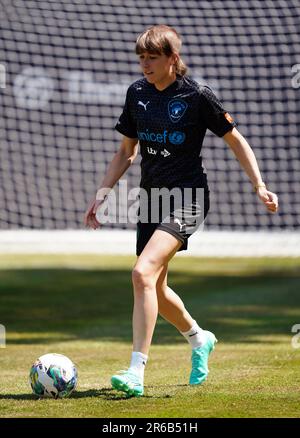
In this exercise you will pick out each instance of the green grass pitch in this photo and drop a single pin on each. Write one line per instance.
(81, 306)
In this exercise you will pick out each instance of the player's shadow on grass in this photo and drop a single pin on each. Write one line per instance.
(112, 395)
(107, 393)
(27, 396)
(162, 392)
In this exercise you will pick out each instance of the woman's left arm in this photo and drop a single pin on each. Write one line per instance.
(246, 157)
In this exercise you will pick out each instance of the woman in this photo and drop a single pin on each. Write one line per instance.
(168, 113)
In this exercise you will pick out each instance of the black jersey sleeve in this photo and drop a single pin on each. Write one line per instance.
(216, 118)
(126, 124)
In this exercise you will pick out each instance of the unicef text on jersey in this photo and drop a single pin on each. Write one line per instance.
(175, 137)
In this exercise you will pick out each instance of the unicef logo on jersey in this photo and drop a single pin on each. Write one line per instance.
(177, 108)
(177, 137)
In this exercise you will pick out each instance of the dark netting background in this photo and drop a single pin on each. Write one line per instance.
(68, 65)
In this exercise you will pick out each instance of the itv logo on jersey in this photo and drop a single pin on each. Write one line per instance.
(176, 137)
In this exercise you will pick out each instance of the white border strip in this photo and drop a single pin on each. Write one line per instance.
(205, 243)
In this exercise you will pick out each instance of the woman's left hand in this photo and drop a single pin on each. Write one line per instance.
(268, 198)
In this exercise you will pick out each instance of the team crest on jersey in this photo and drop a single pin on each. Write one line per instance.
(177, 108)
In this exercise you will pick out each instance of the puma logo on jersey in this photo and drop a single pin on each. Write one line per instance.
(144, 105)
(177, 221)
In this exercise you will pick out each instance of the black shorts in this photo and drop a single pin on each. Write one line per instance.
(180, 222)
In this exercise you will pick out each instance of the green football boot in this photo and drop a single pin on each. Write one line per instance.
(200, 357)
(129, 383)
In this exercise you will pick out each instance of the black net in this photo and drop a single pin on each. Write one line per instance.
(68, 65)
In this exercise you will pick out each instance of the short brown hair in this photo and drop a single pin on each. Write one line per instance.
(161, 39)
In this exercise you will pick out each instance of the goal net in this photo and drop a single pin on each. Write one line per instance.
(65, 68)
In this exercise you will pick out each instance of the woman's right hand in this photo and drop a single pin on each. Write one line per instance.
(90, 219)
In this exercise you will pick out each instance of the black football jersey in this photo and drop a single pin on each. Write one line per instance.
(170, 126)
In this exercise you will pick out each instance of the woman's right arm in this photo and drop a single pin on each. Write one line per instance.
(117, 167)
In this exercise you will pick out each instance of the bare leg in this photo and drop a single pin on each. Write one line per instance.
(170, 305)
(171, 308)
(159, 250)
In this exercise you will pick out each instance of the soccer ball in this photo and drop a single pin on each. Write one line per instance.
(53, 375)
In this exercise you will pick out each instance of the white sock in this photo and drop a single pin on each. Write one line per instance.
(138, 363)
(195, 336)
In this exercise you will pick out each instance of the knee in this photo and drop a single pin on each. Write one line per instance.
(142, 278)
